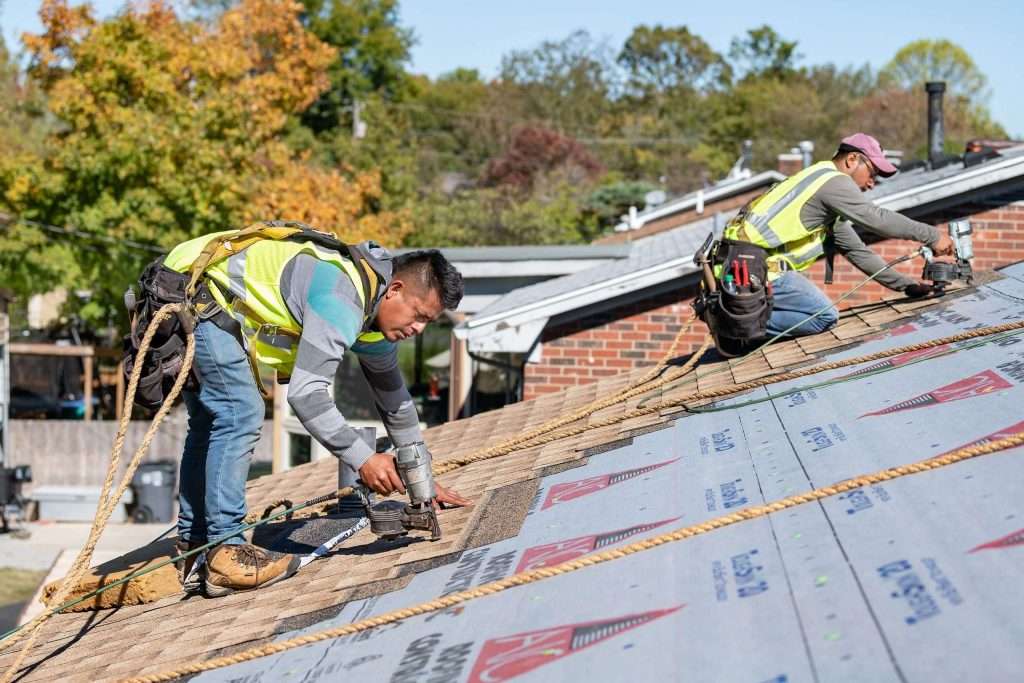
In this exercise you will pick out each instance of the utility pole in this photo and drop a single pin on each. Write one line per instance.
(358, 125)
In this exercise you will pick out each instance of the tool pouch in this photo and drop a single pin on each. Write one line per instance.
(738, 319)
(158, 286)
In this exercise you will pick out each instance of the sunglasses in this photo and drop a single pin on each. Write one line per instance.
(871, 166)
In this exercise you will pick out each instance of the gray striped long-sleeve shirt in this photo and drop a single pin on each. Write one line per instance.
(841, 197)
(326, 303)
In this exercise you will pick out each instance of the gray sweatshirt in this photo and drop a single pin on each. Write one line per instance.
(840, 198)
(326, 304)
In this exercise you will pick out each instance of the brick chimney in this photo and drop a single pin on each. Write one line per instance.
(790, 163)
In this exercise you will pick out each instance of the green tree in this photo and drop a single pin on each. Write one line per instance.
(935, 60)
(610, 201)
(492, 217)
(372, 53)
(762, 52)
(454, 126)
(565, 85)
(765, 111)
(663, 60)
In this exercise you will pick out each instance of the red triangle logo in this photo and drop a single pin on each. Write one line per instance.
(550, 554)
(571, 490)
(989, 438)
(903, 329)
(501, 659)
(896, 361)
(976, 385)
(894, 332)
(1016, 538)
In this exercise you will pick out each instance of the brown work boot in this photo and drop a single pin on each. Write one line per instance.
(191, 581)
(231, 568)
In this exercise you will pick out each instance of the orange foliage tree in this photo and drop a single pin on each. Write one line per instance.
(169, 129)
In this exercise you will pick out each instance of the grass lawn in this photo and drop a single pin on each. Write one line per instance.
(18, 585)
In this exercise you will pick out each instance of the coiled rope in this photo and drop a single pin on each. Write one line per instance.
(108, 500)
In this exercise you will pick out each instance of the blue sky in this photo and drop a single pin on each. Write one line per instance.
(453, 33)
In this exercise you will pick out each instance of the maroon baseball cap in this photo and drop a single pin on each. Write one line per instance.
(862, 142)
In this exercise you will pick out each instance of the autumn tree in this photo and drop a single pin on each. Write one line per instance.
(534, 154)
(170, 129)
(899, 119)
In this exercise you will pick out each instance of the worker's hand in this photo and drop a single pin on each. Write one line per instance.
(379, 473)
(450, 497)
(918, 290)
(944, 247)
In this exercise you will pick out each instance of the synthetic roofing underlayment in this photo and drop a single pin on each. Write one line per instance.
(916, 579)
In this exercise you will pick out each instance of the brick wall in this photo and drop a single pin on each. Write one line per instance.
(611, 342)
(640, 333)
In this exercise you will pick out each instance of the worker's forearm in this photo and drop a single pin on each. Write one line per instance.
(394, 403)
(870, 263)
(842, 196)
(313, 406)
(849, 244)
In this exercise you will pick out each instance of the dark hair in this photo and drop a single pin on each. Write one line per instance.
(845, 149)
(430, 270)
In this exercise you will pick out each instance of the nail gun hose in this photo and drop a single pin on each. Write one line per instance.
(195, 551)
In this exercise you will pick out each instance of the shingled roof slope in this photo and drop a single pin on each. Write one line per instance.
(825, 610)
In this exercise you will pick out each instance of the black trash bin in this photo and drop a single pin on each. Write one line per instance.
(154, 492)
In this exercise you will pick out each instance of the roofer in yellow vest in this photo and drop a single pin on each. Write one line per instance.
(798, 218)
(300, 306)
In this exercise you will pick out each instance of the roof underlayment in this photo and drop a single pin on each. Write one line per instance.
(911, 580)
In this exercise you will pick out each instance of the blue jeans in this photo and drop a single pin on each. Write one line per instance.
(224, 421)
(795, 300)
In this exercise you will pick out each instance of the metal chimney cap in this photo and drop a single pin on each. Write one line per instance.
(935, 86)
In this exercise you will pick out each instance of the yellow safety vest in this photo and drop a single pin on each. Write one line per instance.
(772, 221)
(247, 285)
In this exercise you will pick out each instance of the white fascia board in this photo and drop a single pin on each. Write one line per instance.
(508, 338)
(972, 179)
(690, 200)
(472, 303)
(567, 301)
(527, 268)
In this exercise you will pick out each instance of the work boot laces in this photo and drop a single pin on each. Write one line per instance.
(251, 556)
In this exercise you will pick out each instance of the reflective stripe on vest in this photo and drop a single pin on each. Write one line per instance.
(252, 279)
(773, 221)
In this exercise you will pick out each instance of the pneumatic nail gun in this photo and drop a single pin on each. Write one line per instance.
(944, 273)
(391, 519)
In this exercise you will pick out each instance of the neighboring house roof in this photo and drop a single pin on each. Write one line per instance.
(508, 323)
(513, 322)
(867, 585)
(493, 271)
(717, 192)
(922, 189)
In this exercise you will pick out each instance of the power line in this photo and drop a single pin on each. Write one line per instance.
(7, 219)
(587, 137)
